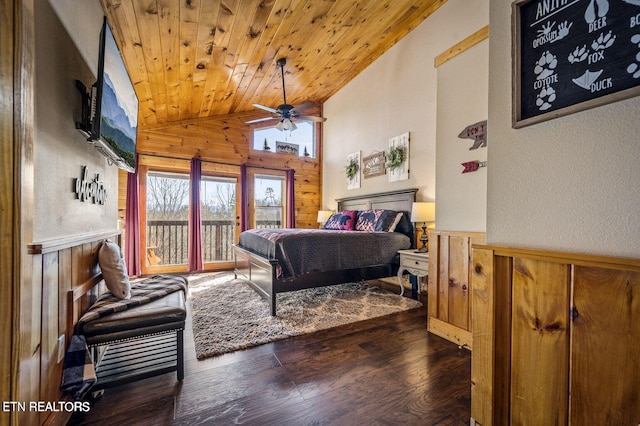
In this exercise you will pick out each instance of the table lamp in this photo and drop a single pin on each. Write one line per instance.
(323, 216)
(423, 212)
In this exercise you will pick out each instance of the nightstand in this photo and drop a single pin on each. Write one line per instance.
(415, 263)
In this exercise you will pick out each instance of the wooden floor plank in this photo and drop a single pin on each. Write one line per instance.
(388, 370)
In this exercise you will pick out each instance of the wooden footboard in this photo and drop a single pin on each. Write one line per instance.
(259, 272)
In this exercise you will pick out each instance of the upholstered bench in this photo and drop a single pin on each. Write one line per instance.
(144, 339)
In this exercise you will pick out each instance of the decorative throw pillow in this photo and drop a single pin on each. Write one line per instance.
(348, 220)
(395, 223)
(406, 227)
(114, 270)
(367, 220)
(334, 221)
(384, 221)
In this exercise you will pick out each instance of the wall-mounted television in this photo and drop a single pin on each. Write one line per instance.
(110, 111)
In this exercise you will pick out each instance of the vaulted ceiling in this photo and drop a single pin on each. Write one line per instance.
(202, 58)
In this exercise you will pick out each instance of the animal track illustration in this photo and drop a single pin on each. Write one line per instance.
(545, 98)
(545, 65)
(579, 54)
(563, 31)
(591, 14)
(603, 41)
(634, 68)
(546, 28)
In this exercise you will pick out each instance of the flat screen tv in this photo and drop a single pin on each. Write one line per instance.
(113, 123)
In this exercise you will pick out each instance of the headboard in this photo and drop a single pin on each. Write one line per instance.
(401, 201)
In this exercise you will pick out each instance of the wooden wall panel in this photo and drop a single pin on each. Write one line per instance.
(458, 300)
(449, 285)
(540, 336)
(58, 267)
(22, 367)
(483, 354)
(562, 346)
(50, 370)
(9, 234)
(606, 344)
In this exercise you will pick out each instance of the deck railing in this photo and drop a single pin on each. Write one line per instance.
(168, 240)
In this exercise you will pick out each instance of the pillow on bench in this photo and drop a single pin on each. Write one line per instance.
(114, 270)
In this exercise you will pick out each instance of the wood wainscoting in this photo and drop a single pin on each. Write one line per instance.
(59, 266)
(556, 338)
(449, 283)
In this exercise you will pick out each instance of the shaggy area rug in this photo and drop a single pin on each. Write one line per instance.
(228, 315)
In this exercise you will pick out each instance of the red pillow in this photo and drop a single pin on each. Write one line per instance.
(348, 220)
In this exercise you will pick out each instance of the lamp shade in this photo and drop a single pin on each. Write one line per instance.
(324, 215)
(286, 124)
(423, 212)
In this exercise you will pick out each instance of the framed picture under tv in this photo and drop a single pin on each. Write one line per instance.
(110, 111)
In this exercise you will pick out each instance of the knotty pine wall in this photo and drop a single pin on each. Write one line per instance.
(226, 139)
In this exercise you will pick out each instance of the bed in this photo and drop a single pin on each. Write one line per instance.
(270, 269)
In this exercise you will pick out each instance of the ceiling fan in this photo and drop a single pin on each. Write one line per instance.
(285, 112)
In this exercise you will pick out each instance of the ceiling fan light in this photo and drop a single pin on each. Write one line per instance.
(286, 124)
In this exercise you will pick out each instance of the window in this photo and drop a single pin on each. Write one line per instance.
(269, 201)
(303, 136)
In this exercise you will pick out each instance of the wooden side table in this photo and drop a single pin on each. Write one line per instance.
(415, 263)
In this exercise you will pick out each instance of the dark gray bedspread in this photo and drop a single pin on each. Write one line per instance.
(301, 251)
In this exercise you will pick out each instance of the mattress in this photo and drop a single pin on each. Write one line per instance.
(302, 251)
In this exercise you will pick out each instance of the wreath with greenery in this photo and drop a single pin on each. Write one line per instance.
(395, 157)
(351, 168)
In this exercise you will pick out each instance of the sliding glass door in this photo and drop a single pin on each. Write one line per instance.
(268, 203)
(167, 220)
(219, 217)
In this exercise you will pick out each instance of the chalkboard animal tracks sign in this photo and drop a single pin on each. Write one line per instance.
(571, 55)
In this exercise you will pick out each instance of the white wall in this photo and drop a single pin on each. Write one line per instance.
(461, 198)
(60, 150)
(570, 184)
(394, 95)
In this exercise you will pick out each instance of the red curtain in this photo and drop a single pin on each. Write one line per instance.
(244, 201)
(195, 235)
(132, 225)
(291, 202)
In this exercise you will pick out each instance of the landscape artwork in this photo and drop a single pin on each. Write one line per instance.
(119, 106)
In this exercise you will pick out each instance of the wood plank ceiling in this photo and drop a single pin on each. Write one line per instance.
(204, 58)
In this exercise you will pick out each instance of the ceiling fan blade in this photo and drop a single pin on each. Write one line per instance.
(258, 120)
(303, 107)
(266, 108)
(311, 118)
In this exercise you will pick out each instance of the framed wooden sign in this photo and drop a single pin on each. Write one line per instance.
(287, 148)
(373, 165)
(571, 55)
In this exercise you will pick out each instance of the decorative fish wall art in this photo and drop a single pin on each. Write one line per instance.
(476, 132)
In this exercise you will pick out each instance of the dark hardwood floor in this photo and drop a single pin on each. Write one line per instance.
(383, 371)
